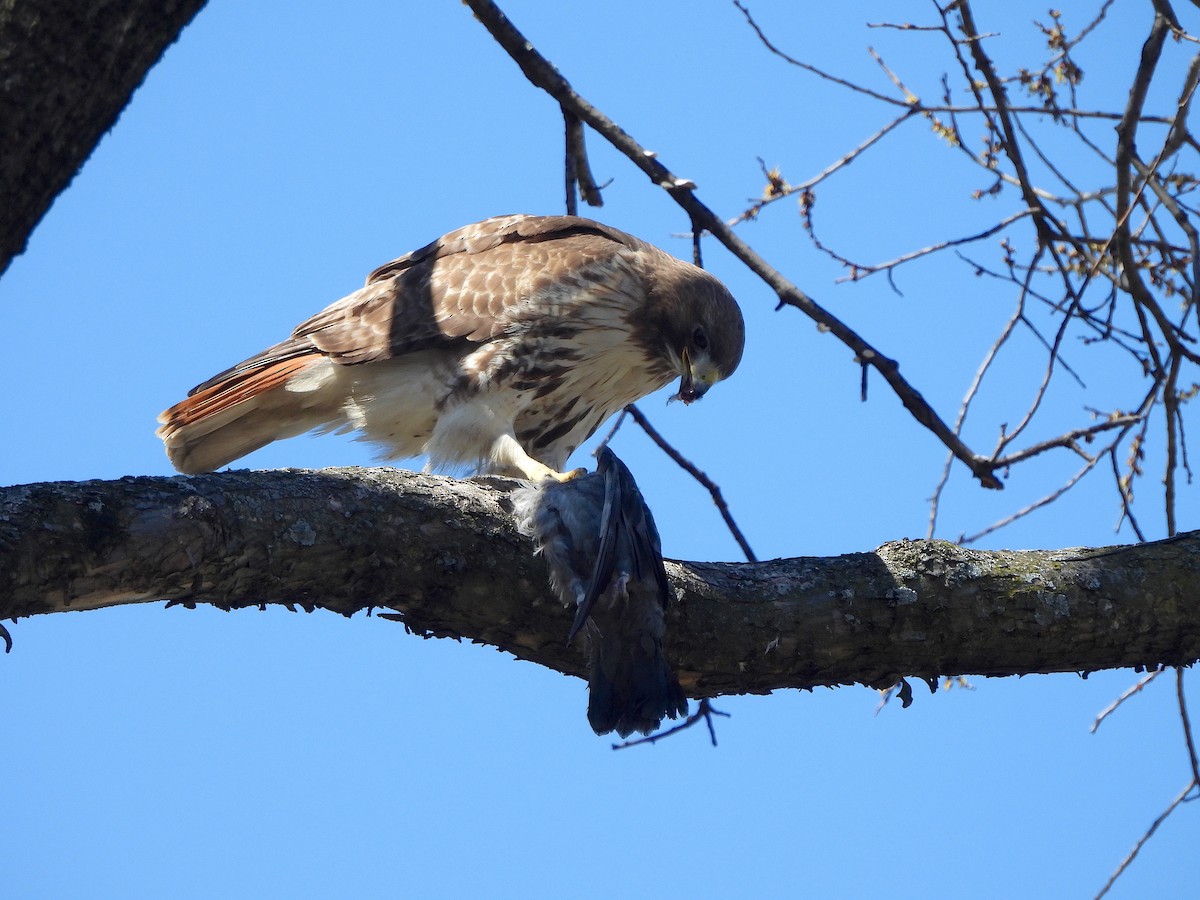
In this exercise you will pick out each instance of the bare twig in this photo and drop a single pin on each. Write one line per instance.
(690, 468)
(1040, 394)
(993, 351)
(1070, 439)
(578, 171)
(1144, 838)
(612, 432)
(1136, 689)
(947, 109)
(807, 67)
(779, 191)
(1187, 726)
(1047, 227)
(860, 270)
(1170, 401)
(1109, 450)
(1032, 507)
(1089, 28)
(1123, 493)
(703, 711)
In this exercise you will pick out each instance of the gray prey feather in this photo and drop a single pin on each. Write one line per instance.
(604, 554)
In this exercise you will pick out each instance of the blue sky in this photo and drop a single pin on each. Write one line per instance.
(280, 152)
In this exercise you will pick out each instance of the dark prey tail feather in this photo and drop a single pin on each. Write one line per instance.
(630, 684)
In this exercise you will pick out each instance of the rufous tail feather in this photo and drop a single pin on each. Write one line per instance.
(249, 409)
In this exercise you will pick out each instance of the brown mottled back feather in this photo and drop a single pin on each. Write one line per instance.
(468, 285)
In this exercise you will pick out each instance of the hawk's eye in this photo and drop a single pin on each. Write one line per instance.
(700, 339)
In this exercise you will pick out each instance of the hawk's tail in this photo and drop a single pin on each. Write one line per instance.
(244, 408)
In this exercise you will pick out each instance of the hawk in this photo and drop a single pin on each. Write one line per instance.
(502, 346)
(600, 543)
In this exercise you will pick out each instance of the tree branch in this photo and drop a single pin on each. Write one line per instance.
(430, 548)
(69, 70)
(688, 466)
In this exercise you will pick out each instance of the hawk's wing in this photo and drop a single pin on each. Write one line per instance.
(469, 285)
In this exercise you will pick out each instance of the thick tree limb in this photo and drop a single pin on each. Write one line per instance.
(434, 550)
(67, 69)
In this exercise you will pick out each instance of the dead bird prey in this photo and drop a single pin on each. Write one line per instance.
(599, 540)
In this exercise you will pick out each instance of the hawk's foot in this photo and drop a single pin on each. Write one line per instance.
(508, 454)
(568, 476)
(538, 472)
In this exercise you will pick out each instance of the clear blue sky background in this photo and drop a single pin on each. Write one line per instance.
(281, 151)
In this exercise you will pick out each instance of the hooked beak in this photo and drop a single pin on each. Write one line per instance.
(694, 382)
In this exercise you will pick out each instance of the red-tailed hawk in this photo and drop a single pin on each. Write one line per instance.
(501, 346)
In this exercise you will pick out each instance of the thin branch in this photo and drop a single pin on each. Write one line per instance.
(690, 468)
(1126, 502)
(1089, 28)
(947, 109)
(1069, 439)
(807, 67)
(1032, 507)
(778, 192)
(1007, 134)
(1129, 692)
(703, 711)
(861, 270)
(1102, 330)
(909, 97)
(578, 171)
(612, 432)
(1170, 401)
(1040, 394)
(1140, 416)
(1187, 726)
(1142, 842)
(963, 409)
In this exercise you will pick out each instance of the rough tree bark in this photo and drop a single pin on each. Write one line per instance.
(431, 549)
(69, 69)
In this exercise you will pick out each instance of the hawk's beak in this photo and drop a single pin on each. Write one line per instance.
(695, 380)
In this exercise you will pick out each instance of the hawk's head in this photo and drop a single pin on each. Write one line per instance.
(700, 329)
